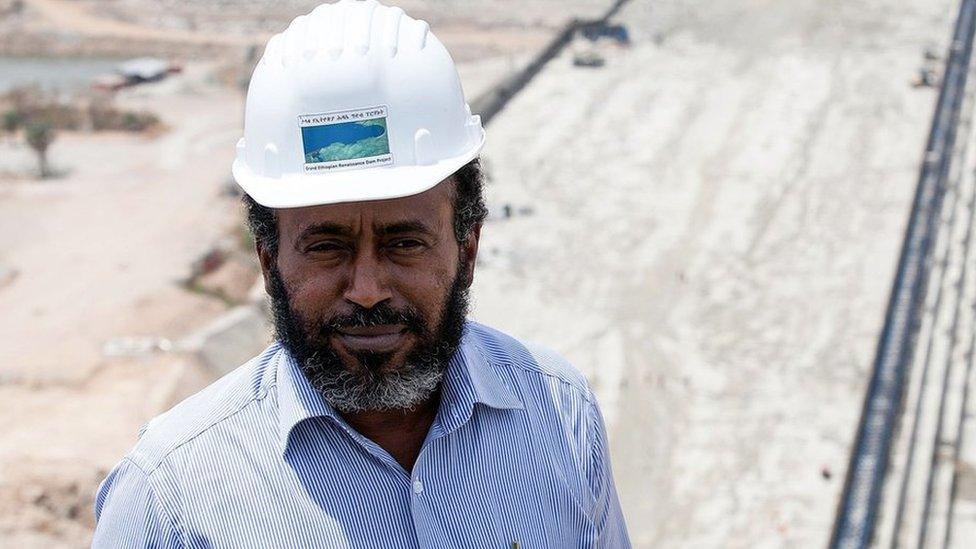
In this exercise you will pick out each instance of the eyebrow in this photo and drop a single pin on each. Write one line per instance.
(326, 228)
(400, 227)
(335, 229)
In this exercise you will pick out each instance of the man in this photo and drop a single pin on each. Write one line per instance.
(379, 418)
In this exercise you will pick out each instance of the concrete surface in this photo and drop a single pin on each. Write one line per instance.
(717, 216)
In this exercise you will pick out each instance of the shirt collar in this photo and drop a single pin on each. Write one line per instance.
(472, 370)
(297, 399)
(470, 378)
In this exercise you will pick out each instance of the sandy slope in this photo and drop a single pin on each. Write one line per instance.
(716, 221)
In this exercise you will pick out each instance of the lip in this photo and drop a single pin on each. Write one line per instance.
(376, 339)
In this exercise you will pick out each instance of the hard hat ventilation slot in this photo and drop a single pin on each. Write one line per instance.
(391, 36)
(362, 28)
(272, 167)
(335, 33)
(241, 150)
(416, 35)
(474, 128)
(309, 43)
(423, 148)
(424, 32)
(294, 37)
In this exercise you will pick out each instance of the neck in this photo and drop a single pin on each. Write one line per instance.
(400, 432)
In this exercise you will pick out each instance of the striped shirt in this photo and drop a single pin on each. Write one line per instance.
(516, 457)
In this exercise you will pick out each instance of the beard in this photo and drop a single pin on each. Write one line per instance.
(375, 384)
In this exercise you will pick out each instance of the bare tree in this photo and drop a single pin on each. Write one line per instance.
(39, 136)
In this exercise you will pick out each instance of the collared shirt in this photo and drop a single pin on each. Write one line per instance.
(516, 457)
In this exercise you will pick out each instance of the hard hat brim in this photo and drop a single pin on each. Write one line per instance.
(384, 183)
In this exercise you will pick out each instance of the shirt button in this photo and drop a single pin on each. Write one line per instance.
(418, 487)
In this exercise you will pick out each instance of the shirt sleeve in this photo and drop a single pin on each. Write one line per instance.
(608, 519)
(129, 514)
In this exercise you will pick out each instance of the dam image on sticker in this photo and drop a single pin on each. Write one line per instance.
(345, 141)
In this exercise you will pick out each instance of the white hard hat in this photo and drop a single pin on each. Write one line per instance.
(354, 101)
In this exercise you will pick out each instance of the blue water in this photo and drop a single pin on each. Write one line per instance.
(65, 74)
(320, 137)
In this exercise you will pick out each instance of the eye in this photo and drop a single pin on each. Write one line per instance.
(326, 247)
(406, 244)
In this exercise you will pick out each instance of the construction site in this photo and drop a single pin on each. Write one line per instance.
(749, 224)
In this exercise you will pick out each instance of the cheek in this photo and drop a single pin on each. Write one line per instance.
(313, 300)
(312, 294)
(426, 289)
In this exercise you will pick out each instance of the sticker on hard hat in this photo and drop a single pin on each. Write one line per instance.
(345, 140)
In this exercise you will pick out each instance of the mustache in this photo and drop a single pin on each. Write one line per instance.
(377, 315)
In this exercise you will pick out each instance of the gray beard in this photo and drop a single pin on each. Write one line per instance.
(402, 389)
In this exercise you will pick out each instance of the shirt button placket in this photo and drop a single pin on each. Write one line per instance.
(421, 521)
(424, 504)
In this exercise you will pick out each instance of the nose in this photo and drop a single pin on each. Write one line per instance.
(369, 281)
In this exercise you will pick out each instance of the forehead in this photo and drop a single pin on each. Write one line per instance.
(433, 208)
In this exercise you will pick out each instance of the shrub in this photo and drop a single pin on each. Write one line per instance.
(39, 136)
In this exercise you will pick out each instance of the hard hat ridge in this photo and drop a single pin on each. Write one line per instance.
(350, 26)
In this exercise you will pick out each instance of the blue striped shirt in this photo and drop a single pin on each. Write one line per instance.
(517, 454)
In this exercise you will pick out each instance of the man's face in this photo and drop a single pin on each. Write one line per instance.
(370, 297)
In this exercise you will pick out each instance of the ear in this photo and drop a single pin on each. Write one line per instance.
(267, 263)
(469, 251)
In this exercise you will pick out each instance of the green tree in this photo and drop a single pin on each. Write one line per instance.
(39, 136)
(11, 120)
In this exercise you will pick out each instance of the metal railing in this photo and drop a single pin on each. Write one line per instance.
(495, 100)
(858, 507)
